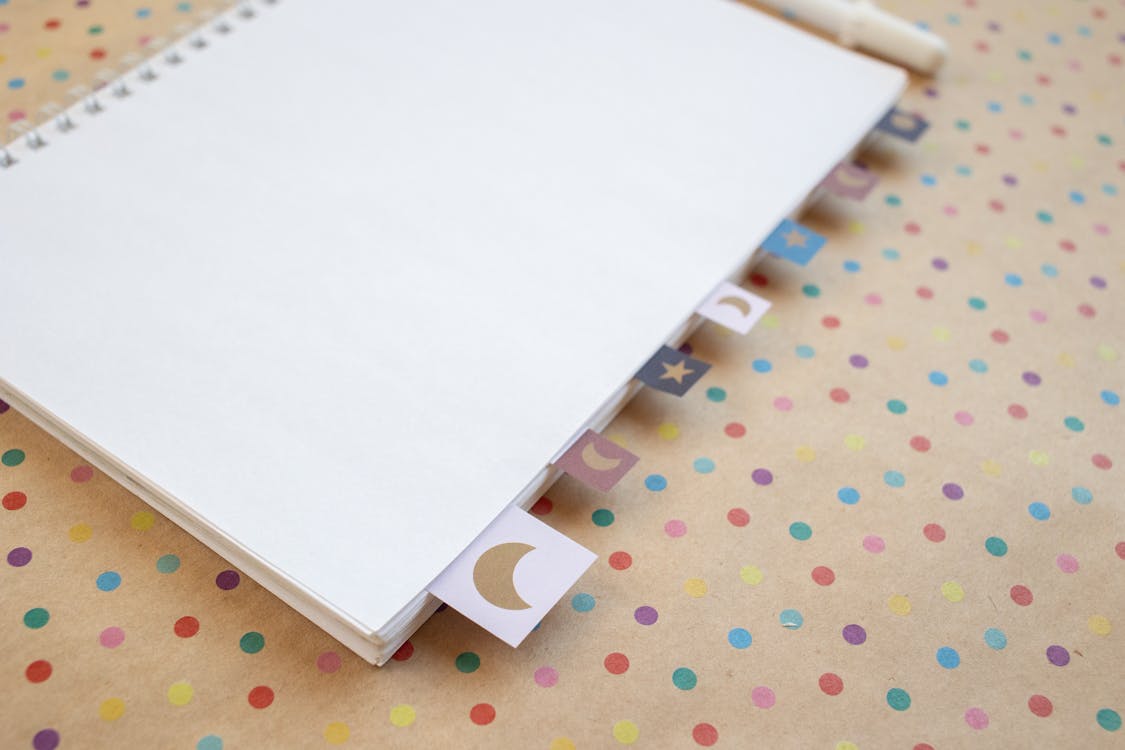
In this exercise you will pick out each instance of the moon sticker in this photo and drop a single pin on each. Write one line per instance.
(737, 302)
(494, 575)
(597, 461)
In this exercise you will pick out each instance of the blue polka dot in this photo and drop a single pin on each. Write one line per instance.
(891, 254)
(1013, 279)
(210, 742)
(143, 12)
(761, 365)
(1077, 197)
(1039, 511)
(739, 638)
(994, 638)
(716, 394)
(582, 602)
(851, 266)
(1081, 495)
(1054, 38)
(894, 479)
(848, 495)
(703, 465)
(978, 365)
(791, 619)
(1111, 397)
(655, 482)
(929, 180)
(1049, 270)
(995, 107)
(15, 83)
(109, 580)
(937, 377)
(948, 658)
(804, 351)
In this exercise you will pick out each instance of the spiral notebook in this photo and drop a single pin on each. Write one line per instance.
(335, 348)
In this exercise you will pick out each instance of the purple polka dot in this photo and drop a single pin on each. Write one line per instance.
(1096, 281)
(45, 739)
(858, 360)
(1032, 378)
(645, 615)
(3, 406)
(19, 557)
(854, 634)
(762, 476)
(227, 580)
(685, 348)
(1058, 656)
(993, 26)
(1010, 179)
(952, 491)
(1070, 109)
(931, 92)
(940, 263)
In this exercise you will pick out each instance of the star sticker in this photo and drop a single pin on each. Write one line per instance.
(675, 372)
(796, 238)
(672, 372)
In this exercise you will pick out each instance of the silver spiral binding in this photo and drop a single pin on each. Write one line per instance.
(123, 81)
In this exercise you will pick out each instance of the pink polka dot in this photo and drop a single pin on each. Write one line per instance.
(1102, 461)
(873, 299)
(1087, 311)
(1067, 563)
(1038, 316)
(16, 115)
(963, 418)
(874, 544)
(112, 637)
(1015, 134)
(675, 528)
(1101, 229)
(328, 662)
(546, 677)
(783, 403)
(911, 227)
(934, 532)
(81, 474)
(976, 718)
(950, 210)
(763, 697)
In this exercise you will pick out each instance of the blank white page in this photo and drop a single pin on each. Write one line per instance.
(350, 339)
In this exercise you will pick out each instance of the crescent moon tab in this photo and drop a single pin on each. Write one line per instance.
(595, 460)
(736, 302)
(494, 575)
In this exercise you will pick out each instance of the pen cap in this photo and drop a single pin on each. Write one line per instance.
(894, 38)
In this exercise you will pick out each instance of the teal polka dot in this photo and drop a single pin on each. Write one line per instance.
(109, 580)
(740, 638)
(996, 546)
(1044, 216)
(761, 365)
(183, 7)
(1109, 189)
(1074, 424)
(582, 602)
(252, 642)
(1024, 55)
(36, 618)
(656, 482)
(898, 699)
(168, 564)
(703, 465)
(791, 619)
(810, 290)
(1039, 511)
(1049, 270)
(995, 639)
(962, 124)
(852, 266)
(716, 394)
(467, 662)
(60, 75)
(939, 378)
(13, 457)
(977, 303)
(848, 495)
(893, 200)
(1027, 100)
(210, 742)
(895, 406)
(1081, 495)
(1109, 720)
(602, 517)
(978, 365)
(891, 254)
(800, 530)
(948, 657)
(964, 170)
(1104, 140)
(804, 351)
(894, 479)
(684, 678)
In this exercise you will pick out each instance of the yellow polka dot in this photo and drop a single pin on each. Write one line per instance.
(1099, 625)
(142, 520)
(180, 693)
(1066, 360)
(617, 439)
(751, 574)
(896, 343)
(854, 442)
(561, 743)
(991, 468)
(942, 334)
(1013, 242)
(1097, 95)
(899, 604)
(1107, 353)
(668, 431)
(769, 320)
(695, 587)
(1077, 162)
(42, 52)
(996, 76)
(857, 227)
(805, 454)
(626, 732)
(2, 59)
(337, 733)
(403, 715)
(1040, 166)
(80, 532)
(952, 591)
(111, 709)
(1038, 458)
(974, 248)
(845, 745)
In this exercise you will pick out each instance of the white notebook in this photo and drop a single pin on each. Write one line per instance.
(332, 314)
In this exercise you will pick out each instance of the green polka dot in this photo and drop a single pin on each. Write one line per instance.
(467, 662)
(168, 564)
(1105, 140)
(36, 618)
(1109, 720)
(962, 124)
(684, 678)
(800, 530)
(1074, 423)
(977, 303)
(716, 394)
(898, 699)
(252, 642)
(811, 290)
(895, 406)
(96, 29)
(13, 457)
(602, 517)
(996, 546)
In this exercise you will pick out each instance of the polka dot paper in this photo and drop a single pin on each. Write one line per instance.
(889, 516)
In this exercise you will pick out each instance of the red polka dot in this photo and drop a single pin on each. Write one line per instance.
(830, 321)
(97, 54)
(405, 651)
(705, 734)
(1119, 548)
(759, 279)
(1000, 336)
(831, 684)
(983, 149)
(924, 292)
(1017, 411)
(735, 429)
(260, 697)
(823, 575)
(14, 501)
(1040, 705)
(542, 506)
(482, 714)
(997, 206)
(1067, 246)
(1058, 131)
(920, 443)
(328, 662)
(186, 626)
(1043, 80)
(81, 474)
(923, 746)
(839, 395)
(617, 663)
(1087, 311)
(911, 227)
(1101, 461)
(1021, 595)
(52, 24)
(620, 560)
(934, 532)
(738, 517)
(38, 671)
